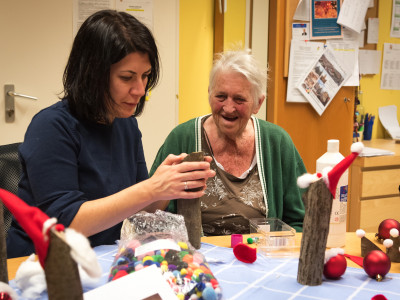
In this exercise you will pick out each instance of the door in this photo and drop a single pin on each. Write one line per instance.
(36, 37)
(308, 130)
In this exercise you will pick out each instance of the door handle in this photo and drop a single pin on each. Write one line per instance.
(9, 95)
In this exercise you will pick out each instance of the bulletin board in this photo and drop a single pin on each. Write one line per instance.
(291, 6)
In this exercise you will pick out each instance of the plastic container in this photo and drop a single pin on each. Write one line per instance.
(276, 238)
(337, 226)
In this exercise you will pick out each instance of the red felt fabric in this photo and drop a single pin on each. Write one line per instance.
(358, 260)
(31, 220)
(245, 253)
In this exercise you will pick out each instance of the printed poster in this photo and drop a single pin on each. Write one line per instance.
(323, 80)
(324, 15)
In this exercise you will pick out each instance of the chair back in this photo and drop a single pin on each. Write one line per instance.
(10, 172)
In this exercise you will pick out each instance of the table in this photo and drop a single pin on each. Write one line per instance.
(352, 247)
(374, 187)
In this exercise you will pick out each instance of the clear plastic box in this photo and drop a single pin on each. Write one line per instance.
(276, 238)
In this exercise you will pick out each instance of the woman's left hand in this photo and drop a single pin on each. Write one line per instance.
(173, 178)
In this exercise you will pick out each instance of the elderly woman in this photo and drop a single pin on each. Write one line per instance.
(256, 162)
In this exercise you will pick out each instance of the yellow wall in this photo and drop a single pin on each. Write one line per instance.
(235, 24)
(373, 95)
(196, 38)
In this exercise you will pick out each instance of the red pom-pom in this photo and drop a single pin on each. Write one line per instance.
(385, 226)
(245, 253)
(120, 273)
(376, 264)
(335, 267)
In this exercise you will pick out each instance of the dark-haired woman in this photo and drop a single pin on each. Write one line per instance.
(82, 158)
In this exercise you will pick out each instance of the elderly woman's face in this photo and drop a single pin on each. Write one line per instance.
(128, 80)
(232, 103)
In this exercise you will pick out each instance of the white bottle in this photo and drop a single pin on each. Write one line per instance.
(337, 226)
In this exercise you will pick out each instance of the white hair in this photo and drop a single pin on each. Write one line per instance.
(242, 62)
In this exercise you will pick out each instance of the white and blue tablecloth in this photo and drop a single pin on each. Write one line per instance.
(274, 278)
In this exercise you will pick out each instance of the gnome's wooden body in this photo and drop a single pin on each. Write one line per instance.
(190, 209)
(318, 205)
(62, 275)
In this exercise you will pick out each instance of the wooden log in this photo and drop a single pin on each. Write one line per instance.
(318, 206)
(3, 248)
(393, 252)
(190, 209)
(62, 275)
(367, 246)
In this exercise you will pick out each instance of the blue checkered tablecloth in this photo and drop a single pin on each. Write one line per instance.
(273, 278)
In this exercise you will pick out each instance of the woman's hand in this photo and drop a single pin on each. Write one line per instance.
(173, 178)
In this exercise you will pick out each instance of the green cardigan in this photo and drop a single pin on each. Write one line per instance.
(278, 162)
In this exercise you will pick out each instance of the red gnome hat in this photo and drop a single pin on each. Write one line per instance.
(332, 177)
(35, 222)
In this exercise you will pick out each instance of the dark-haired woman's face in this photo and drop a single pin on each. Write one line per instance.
(128, 80)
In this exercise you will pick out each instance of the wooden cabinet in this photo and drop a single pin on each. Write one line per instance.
(374, 188)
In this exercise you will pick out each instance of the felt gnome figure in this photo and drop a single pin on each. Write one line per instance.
(318, 205)
(54, 251)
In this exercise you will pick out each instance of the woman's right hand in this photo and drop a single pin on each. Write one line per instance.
(173, 178)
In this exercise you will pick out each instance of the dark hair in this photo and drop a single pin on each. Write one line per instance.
(104, 39)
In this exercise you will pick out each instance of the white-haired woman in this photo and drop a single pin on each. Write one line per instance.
(256, 162)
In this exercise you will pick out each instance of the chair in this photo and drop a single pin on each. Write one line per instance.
(10, 171)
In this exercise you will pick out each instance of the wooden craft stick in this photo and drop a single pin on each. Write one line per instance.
(318, 205)
(190, 208)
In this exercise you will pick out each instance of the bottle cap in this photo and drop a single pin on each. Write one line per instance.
(333, 146)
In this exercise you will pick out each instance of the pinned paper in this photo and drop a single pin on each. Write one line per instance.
(302, 11)
(323, 80)
(302, 56)
(369, 61)
(390, 77)
(352, 14)
(347, 52)
(373, 31)
(300, 31)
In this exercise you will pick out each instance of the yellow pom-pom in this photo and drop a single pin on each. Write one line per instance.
(180, 296)
(148, 258)
(183, 271)
(183, 245)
